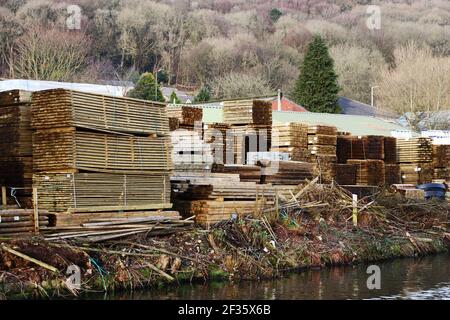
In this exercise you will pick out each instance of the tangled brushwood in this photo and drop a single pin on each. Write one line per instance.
(312, 227)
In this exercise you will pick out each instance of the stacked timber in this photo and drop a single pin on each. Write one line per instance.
(83, 191)
(186, 115)
(100, 153)
(245, 112)
(361, 147)
(392, 174)
(189, 152)
(415, 158)
(441, 162)
(369, 172)
(217, 135)
(16, 144)
(70, 149)
(290, 138)
(345, 174)
(58, 108)
(247, 173)
(390, 150)
(220, 196)
(285, 172)
(247, 138)
(322, 151)
(19, 222)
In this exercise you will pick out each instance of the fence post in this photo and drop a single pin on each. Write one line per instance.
(35, 210)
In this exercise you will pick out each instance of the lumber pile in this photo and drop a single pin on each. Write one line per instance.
(285, 172)
(361, 147)
(186, 115)
(98, 153)
(345, 174)
(216, 135)
(247, 173)
(248, 138)
(16, 144)
(216, 197)
(114, 225)
(67, 148)
(369, 172)
(289, 135)
(441, 162)
(415, 158)
(189, 152)
(392, 174)
(61, 192)
(245, 112)
(20, 222)
(58, 108)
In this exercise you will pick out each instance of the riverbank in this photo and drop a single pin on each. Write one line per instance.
(270, 245)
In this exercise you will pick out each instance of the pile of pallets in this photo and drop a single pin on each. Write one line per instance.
(415, 157)
(16, 160)
(99, 153)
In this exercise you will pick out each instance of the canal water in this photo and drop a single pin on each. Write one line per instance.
(419, 278)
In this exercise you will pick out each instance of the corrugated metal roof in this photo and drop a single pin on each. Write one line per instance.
(356, 125)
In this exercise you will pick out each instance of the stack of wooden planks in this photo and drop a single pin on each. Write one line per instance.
(245, 112)
(415, 158)
(247, 138)
(218, 196)
(247, 173)
(345, 174)
(369, 172)
(14, 222)
(441, 162)
(216, 135)
(287, 137)
(360, 147)
(286, 172)
(99, 153)
(16, 144)
(186, 115)
(58, 108)
(392, 174)
(190, 153)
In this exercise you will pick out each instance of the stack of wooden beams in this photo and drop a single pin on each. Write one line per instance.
(441, 162)
(361, 147)
(345, 174)
(14, 222)
(415, 158)
(190, 153)
(186, 115)
(216, 135)
(58, 108)
(247, 173)
(16, 144)
(286, 172)
(245, 112)
(248, 138)
(392, 174)
(369, 172)
(99, 153)
(390, 150)
(290, 138)
(216, 197)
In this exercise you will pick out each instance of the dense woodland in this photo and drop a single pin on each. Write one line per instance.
(235, 47)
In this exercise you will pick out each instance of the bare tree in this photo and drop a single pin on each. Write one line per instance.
(50, 54)
(419, 86)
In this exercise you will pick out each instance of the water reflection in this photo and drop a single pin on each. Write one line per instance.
(421, 278)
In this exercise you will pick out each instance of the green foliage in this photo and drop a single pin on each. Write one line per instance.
(174, 98)
(275, 14)
(203, 95)
(317, 87)
(145, 89)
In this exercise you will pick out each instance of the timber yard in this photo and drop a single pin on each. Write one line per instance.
(141, 194)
